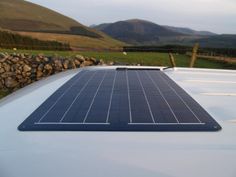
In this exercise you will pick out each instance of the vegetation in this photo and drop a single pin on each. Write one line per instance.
(219, 41)
(3, 93)
(77, 41)
(229, 52)
(156, 59)
(11, 40)
(143, 58)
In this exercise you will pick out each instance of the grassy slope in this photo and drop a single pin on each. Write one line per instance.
(23, 10)
(78, 41)
(19, 15)
(11, 40)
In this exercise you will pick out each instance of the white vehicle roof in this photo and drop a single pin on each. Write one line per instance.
(122, 154)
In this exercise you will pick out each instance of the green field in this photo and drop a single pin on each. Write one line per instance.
(143, 58)
(148, 59)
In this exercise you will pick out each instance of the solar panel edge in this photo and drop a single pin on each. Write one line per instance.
(136, 128)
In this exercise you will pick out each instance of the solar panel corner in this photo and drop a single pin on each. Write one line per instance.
(110, 100)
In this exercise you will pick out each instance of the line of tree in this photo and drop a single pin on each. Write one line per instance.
(11, 40)
(231, 52)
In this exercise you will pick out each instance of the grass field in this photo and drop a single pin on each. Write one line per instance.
(148, 59)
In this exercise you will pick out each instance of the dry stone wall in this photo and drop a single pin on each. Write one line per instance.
(19, 70)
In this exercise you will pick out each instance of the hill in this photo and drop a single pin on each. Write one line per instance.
(136, 31)
(189, 31)
(39, 22)
(19, 15)
(79, 42)
(140, 32)
(11, 40)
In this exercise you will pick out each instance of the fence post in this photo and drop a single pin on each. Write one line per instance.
(194, 55)
(172, 60)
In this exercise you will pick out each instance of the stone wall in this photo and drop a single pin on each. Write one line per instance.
(19, 70)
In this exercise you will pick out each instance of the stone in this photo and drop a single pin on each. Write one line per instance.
(86, 63)
(15, 59)
(80, 58)
(72, 64)
(19, 70)
(94, 60)
(37, 59)
(57, 66)
(66, 64)
(26, 68)
(19, 76)
(6, 67)
(77, 62)
(14, 67)
(39, 74)
(7, 74)
(28, 74)
(11, 83)
(46, 59)
(22, 80)
(41, 56)
(2, 70)
(21, 62)
(2, 60)
(48, 67)
(40, 67)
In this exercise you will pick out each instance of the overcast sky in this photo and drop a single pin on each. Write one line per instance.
(214, 15)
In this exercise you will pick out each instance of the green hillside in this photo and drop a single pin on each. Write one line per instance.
(11, 40)
(19, 15)
(35, 21)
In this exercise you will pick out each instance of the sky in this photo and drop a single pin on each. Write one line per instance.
(218, 16)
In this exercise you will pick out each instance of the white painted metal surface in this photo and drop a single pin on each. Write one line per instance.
(122, 154)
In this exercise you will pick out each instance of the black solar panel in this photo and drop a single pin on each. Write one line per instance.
(120, 100)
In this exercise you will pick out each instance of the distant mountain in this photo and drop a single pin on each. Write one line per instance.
(136, 31)
(101, 26)
(141, 32)
(189, 31)
(20, 15)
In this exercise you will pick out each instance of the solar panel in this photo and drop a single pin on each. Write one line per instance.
(120, 100)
